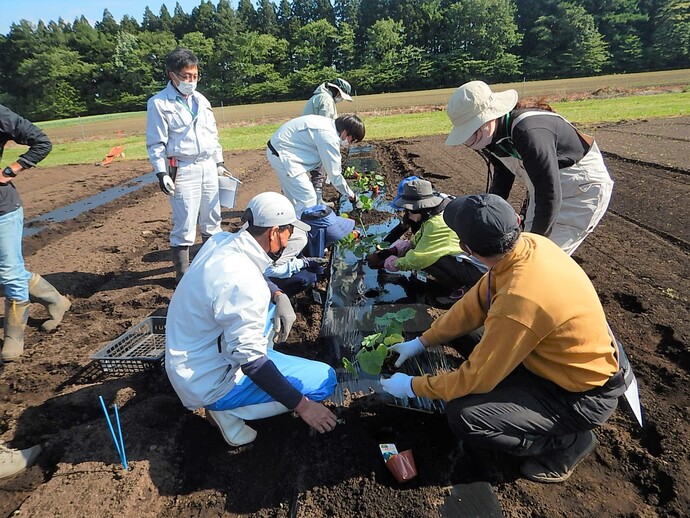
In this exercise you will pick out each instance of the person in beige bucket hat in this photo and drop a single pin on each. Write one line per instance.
(568, 185)
(473, 105)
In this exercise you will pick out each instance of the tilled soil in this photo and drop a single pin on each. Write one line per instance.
(113, 263)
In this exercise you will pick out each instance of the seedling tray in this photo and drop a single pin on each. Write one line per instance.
(139, 349)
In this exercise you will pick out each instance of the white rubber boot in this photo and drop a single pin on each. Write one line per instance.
(14, 461)
(259, 411)
(232, 428)
(40, 290)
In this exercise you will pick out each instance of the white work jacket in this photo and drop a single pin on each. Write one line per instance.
(216, 318)
(308, 142)
(181, 128)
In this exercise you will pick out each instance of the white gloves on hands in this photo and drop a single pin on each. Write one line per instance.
(399, 385)
(284, 317)
(222, 170)
(407, 350)
(166, 183)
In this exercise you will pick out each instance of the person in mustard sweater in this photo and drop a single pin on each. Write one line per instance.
(545, 371)
(434, 247)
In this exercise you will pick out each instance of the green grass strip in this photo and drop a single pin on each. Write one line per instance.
(378, 127)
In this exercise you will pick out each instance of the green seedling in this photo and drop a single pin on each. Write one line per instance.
(376, 347)
(350, 173)
(358, 245)
(366, 202)
(362, 183)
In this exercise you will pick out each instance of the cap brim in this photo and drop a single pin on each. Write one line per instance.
(301, 225)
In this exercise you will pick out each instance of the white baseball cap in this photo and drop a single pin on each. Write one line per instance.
(474, 104)
(271, 209)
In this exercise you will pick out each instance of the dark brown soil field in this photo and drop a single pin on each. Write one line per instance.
(113, 263)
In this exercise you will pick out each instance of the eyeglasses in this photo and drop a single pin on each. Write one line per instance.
(187, 77)
(289, 226)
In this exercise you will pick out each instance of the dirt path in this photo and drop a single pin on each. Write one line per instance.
(113, 262)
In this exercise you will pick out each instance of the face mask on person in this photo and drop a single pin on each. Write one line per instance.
(481, 138)
(186, 87)
(337, 99)
(276, 255)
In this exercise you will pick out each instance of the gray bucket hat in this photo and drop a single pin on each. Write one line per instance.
(343, 87)
(417, 195)
(474, 104)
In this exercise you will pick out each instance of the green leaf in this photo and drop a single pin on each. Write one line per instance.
(405, 314)
(383, 320)
(350, 367)
(371, 362)
(393, 339)
(370, 341)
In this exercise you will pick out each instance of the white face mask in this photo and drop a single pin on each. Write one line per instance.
(187, 87)
(338, 99)
(344, 143)
(482, 138)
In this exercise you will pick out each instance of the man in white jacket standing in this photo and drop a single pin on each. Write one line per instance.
(323, 102)
(184, 149)
(217, 354)
(307, 143)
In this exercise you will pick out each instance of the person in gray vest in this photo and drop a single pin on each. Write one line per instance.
(323, 102)
(568, 185)
(20, 287)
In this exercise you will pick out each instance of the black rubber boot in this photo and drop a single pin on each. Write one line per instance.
(180, 259)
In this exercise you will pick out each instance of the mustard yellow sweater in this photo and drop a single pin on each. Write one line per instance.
(544, 314)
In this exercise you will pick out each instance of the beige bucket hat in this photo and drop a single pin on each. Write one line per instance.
(474, 104)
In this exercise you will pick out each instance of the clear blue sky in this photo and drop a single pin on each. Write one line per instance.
(12, 11)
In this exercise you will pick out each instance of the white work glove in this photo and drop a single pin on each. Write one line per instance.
(398, 385)
(284, 317)
(407, 350)
(222, 170)
(166, 183)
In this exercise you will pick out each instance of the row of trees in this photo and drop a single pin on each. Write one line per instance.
(281, 51)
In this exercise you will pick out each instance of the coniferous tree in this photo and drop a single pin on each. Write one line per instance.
(267, 18)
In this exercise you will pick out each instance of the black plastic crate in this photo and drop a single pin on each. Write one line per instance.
(140, 349)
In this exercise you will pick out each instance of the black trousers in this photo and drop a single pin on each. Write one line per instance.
(526, 415)
(450, 272)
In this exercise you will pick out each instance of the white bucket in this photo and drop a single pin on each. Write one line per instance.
(227, 191)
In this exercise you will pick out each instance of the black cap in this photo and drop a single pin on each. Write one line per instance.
(480, 220)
